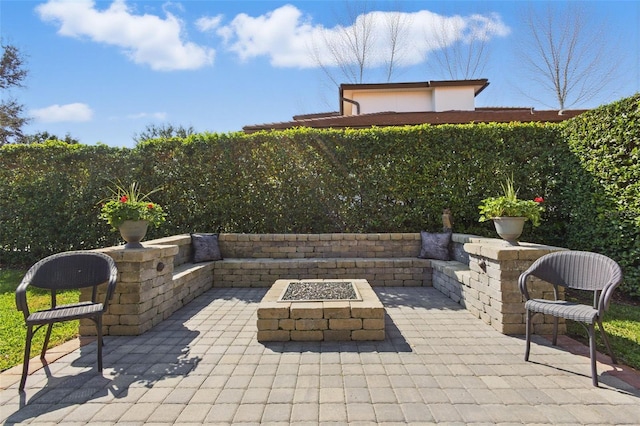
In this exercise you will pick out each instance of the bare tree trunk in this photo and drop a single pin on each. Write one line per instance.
(353, 48)
(566, 55)
(461, 58)
(397, 26)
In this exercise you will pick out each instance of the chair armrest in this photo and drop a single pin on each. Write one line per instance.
(605, 297)
(21, 296)
(522, 283)
(111, 286)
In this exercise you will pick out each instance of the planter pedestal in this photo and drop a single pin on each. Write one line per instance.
(133, 231)
(509, 228)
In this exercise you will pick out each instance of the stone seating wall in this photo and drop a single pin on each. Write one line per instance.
(159, 279)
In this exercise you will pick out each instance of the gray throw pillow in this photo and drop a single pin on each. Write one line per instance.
(435, 245)
(204, 247)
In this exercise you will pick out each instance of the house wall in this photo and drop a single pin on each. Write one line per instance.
(410, 100)
(453, 99)
(390, 100)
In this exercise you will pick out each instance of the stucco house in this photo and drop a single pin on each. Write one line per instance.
(401, 104)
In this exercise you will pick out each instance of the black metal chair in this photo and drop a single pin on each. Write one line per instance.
(62, 271)
(577, 270)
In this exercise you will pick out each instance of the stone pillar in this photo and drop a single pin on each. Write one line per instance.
(144, 293)
(492, 292)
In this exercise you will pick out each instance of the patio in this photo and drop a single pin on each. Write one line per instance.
(437, 364)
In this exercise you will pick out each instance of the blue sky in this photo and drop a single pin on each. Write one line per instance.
(102, 71)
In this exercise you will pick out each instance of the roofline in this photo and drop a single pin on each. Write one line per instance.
(433, 83)
(482, 82)
(384, 119)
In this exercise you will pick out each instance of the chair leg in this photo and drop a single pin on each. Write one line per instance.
(555, 331)
(99, 332)
(528, 335)
(606, 341)
(27, 353)
(592, 354)
(46, 341)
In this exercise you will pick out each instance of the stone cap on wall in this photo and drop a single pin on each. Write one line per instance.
(148, 252)
(493, 248)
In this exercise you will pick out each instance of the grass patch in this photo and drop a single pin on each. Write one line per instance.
(13, 331)
(622, 324)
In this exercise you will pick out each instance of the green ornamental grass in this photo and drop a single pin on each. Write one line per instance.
(510, 205)
(129, 203)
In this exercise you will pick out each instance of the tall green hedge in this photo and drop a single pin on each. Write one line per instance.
(304, 180)
(601, 185)
(376, 180)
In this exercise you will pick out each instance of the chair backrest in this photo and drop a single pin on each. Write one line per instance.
(578, 269)
(69, 270)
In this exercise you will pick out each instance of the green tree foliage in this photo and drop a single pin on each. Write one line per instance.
(41, 137)
(163, 131)
(12, 74)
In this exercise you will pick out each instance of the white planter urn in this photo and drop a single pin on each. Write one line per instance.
(133, 231)
(509, 228)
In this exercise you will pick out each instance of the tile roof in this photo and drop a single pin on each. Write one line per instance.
(382, 119)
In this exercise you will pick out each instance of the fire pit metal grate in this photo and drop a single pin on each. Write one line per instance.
(318, 291)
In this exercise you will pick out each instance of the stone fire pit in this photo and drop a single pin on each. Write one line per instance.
(320, 310)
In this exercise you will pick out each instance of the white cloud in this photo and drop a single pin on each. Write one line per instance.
(281, 34)
(207, 23)
(61, 113)
(152, 115)
(288, 38)
(145, 39)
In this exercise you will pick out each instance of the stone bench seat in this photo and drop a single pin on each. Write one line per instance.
(256, 272)
(451, 278)
(408, 272)
(159, 279)
(189, 271)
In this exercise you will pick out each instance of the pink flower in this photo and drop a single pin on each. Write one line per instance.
(124, 199)
(539, 200)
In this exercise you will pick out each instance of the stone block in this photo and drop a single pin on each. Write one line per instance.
(361, 335)
(336, 310)
(307, 336)
(273, 336)
(367, 312)
(512, 319)
(337, 335)
(312, 324)
(107, 319)
(268, 324)
(128, 309)
(373, 324)
(310, 310)
(345, 324)
(273, 310)
(287, 324)
(512, 329)
(129, 320)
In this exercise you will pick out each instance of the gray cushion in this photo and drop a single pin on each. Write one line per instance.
(204, 247)
(435, 245)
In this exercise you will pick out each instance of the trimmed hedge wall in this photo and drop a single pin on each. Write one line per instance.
(303, 180)
(601, 193)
